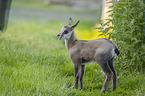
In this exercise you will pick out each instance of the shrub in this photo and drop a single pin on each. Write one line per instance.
(127, 33)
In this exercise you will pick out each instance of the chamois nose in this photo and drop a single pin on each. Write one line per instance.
(58, 35)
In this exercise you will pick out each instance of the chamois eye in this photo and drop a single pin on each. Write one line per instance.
(65, 32)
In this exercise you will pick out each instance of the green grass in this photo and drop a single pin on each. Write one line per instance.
(34, 62)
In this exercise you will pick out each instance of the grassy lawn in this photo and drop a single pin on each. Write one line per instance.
(34, 62)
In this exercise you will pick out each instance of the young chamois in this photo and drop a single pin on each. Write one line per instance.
(81, 52)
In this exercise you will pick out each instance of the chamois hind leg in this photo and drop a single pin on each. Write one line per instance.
(81, 76)
(114, 84)
(108, 72)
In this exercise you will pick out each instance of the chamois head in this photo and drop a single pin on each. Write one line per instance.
(67, 30)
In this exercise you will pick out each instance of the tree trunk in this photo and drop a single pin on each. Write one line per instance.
(4, 13)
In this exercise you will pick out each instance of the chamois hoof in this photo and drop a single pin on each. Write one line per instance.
(82, 89)
(114, 88)
(104, 89)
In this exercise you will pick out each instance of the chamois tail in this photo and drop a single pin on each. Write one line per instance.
(117, 51)
(115, 46)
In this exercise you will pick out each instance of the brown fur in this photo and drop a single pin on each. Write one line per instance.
(101, 51)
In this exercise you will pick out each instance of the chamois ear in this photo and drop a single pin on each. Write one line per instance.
(75, 25)
(70, 21)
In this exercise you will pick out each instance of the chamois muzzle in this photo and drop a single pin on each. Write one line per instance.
(60, 36)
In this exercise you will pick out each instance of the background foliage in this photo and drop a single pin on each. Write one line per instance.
(127, 33)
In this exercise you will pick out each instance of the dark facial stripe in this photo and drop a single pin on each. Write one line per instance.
(60, 36)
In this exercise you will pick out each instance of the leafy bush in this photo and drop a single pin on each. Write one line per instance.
(127, 33)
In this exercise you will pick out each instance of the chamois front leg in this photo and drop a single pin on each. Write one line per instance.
(77, 69)
(81, 76)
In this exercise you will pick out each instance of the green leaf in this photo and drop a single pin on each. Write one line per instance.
(106, 30)
(136, 42)
(111, 27)
(99, 28)
(109, 11)
(100, 31)
(100, 34)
